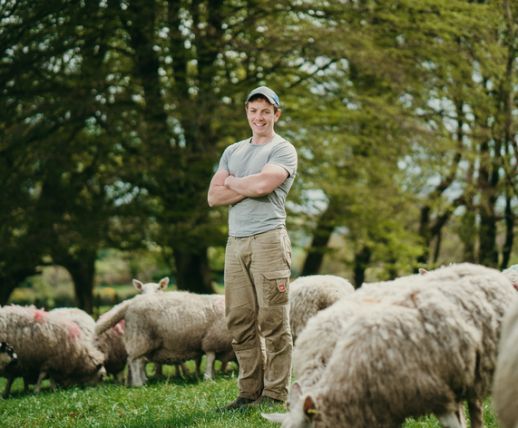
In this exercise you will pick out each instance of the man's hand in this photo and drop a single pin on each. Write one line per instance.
(219, 193)
(257, 185)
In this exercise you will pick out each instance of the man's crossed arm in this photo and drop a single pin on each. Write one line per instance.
(225, 189)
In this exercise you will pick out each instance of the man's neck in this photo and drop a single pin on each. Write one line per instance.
(262, 139)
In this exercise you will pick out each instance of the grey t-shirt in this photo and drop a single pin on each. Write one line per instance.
(256, 215)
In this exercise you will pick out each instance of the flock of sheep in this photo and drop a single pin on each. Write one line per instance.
(371, 357)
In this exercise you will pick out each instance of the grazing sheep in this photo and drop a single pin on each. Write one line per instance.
(48, 345)
(505, 383)
(389, 365)
(7, 355)
(310, 294)
(83, 320)
(512, 273)
(170, 328)
(480, 296)
(111, 344)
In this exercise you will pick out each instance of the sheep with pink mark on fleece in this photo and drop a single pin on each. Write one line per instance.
(110, 342)
(48, 345)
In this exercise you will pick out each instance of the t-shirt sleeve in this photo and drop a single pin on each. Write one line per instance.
(285, 155)
(223, 162)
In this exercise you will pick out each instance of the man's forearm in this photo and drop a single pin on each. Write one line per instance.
(222, 195)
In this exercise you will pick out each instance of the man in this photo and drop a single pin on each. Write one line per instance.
(254, 178)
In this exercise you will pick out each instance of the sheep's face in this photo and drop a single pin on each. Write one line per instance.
(7, 355)
(151, 287)
(302, 411)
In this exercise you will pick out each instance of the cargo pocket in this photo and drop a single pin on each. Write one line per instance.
(275, 287)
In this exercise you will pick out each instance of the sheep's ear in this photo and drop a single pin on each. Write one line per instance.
(138, 285)
(422, 271)
(275, 417)
(164, 282)
(310, 407)
(295, 394)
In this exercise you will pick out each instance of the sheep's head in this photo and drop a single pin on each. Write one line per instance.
(303, 410)
(151, 287)
(512, 274)
(7, 356)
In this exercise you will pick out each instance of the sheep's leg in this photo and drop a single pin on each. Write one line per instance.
(184, 370)
(136, 374)
(25, 385)
(461, 415)
(177, 371)
(159, 371)
(475, 413)
(209, 370)
(449, 420)
(7, 389)
(198, 367)
(224, 365)
(42, 375)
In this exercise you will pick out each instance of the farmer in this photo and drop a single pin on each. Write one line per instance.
(253, 178)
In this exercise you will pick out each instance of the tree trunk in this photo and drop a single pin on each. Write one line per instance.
(82, 271)
(488, 254)
(320, 241)
(509, 235)
(193, 271)
(361, 262)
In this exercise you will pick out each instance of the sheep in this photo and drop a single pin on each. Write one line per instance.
(109, 343)
(8, 360)
(480, 295)
(310, 294)
(170, 328)
(512, 273)
(7, 355)
(47, 345)
(505, 382)
(364, 384)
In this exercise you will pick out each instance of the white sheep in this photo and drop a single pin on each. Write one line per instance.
(505, 383)
(389, 365)
(48, 345)
(479, 294)
(170, 328)
(512, 273)
(310, 294)
(110, 342)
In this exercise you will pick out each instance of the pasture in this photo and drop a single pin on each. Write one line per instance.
(166, 403)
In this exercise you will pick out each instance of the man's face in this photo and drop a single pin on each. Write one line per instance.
(261, 117)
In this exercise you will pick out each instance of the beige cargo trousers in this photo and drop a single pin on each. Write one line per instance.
(257, 271)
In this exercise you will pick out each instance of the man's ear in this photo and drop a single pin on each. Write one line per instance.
(310, 407)
(277, 114)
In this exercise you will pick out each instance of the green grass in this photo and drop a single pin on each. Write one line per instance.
(168, 403)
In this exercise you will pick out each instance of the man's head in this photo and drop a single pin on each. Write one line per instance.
(265, 93)
(262, 110)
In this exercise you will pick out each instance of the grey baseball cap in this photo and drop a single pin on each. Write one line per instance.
(270, 95)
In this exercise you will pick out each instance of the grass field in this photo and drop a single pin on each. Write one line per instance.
(166, 403)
